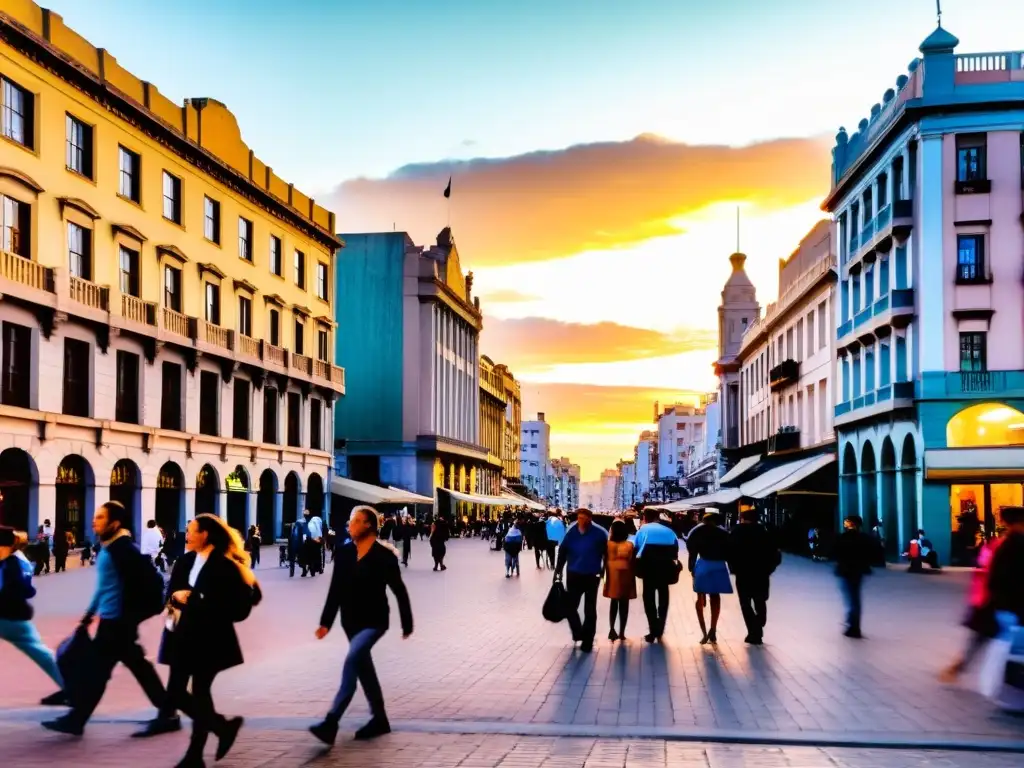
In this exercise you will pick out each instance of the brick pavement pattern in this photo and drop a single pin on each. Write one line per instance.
(482, 660)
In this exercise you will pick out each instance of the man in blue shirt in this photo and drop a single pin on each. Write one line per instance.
(582, 552)
(657, 552)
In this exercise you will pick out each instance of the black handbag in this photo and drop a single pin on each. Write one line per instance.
(77, 660)
(554, 605)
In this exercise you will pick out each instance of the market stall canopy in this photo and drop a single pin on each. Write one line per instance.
(515, 500)
(374, 494)
(741, 468)
(785, 476)
(724, 496)
(477, 498)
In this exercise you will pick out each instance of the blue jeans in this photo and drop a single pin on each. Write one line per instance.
(851, 585)
(358, 666)
(511, 562)
(24, 636)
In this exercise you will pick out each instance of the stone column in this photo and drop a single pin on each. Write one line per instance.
(147, 504)
(905, 178)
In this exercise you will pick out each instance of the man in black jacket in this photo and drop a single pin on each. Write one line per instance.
(853, 551)
(657, 557)
(363, 569)
(753, 558)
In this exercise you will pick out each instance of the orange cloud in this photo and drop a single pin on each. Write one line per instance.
(548, 204)
(507, 296)
(535, 342)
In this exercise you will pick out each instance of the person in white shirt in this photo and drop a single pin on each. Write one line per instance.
(314, 543)
(152, 541)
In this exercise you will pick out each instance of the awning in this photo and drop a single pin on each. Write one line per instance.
(785, 476)
(741, 467)
(705, 466)
(374, 494)
(521, 501)
(476, 498)
(723, 496)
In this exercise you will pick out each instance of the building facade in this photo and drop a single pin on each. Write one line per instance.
(512, 430)
(607, 501)
(165, 302)
(926, 200)
(626, 491)
(535, 439)
(645, 461)
(411, 417)
(739, 308)
(680, 440)
(565, 484)
(702, 475)
(492, 426)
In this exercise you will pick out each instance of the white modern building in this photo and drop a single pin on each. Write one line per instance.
(609, 480)
(645, 458)
(681, 434)
(565, 484)
(535, 462)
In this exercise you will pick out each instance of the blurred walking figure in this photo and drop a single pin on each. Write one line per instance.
(853, 551)
(708, 548)
(63, 542)
(253, 542)
(364, 569)
(513, 545)
(657, 559)
(296, 535)
(313, 549)
(753, 558)
(408, 533)
(555, 530)
(438, 542)
(620, 578)
(152, 542)
(16, 612)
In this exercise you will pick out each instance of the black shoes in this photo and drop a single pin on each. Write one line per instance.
(326, 731)
(650, 638)
(613, 635)
(58, 699)
(226, 740)
(853, 633)
(64, 725)
(158, 726)
(378, 726)
(191, 761)
(587, 646)
(753, 640)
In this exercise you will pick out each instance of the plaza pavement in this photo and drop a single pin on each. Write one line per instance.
(485, 681)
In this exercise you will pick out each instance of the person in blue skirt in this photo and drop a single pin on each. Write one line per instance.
(708, 549)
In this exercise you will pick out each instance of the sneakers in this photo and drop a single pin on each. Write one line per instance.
(64, 725)
(226, 740)
(378, 726)
(326, 731)
(58, 699)
(158, 726)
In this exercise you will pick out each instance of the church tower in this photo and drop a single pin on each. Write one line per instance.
(738, 310)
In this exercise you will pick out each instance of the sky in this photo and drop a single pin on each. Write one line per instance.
(598, 152)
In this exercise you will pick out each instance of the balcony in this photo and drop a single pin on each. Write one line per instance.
(89, 293)
(302, 363)
(338, 376)
(175, 322)
(977, 384)
(886, 398)
(214, 334)
(786, 439)
(785, 373)
(895, 218)
(248, 346)
(972, 382)
(275, 355)
(26, 272)
(137, 310)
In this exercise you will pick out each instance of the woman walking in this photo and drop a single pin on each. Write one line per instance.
(513, 545)
(211, 588)
(253, 542)
(363, 571)
(620, 578)
(63, 542)
(438, 545)
(708, 548)
(16, 590)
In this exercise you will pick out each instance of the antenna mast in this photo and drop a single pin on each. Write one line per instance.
(938, 10)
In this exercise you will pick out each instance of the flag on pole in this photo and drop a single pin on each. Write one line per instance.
(448, 189)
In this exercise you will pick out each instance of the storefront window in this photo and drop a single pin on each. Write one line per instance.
(989, 424)
(976, 516)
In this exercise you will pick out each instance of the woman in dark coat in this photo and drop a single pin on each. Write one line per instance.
(211, 588)
(438, 542)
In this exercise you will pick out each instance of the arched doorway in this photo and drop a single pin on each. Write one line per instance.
(868, 487)
(315, 495)
(849, 482)
(908, 488)
(18, 485)
(126, 489)
(290, 511)
(266, 503)
(74, 479)
(170, 501)
(207, 491)
(888, 510)
(237, 487)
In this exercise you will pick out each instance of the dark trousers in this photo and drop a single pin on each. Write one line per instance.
(656, 605)
(60, 562)
(582, 586)
(753, 594)
(851, 585)
(550, 549)
(198, 704)
(406, 550)
(118, 641)
(540, 552)
(255, 555)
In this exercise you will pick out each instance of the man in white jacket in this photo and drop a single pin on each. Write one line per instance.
(152, 541)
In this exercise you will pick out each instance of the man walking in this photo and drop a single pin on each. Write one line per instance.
(314, 556)
(554, 529)
(582, 552)
(657, 557)
(296, 536)
(753, 558)
(152, 542)
(853, 562)
(120, 580)
(363, 570)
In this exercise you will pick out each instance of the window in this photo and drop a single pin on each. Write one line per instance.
(269, 415)
(15, 225)
(811, 340)
(973, 352)
(129, 270)
(172, 288)
(78, 150)
(170, 397)
(316, 440)
(128, 169)
(15, 365)
(76, 377)
(970, 260)
(209, 403)
(211, 220)
(800, 340)
(323, 345)
(241, 411)
(213, 303)
(822, 324)
(126, 408)
(294, 419)
(275, 328)
(244, 239)
(321, 281)
(79, 251)
(970, 157)
(275, 255)
(18, 108)
(300, 333)
(245, 316)
(300, 269)
(172, 198)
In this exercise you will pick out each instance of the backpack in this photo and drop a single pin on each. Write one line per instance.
(143, 587)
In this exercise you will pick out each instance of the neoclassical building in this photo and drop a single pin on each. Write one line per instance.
(166, 321)
(926, 200)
